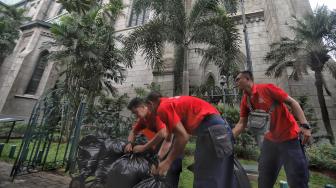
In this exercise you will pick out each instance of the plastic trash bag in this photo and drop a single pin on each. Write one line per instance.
(114, 150)
(154, 182)
(89, 150)
(240, 177)
(127, 171)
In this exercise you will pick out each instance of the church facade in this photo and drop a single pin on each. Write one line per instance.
(26, 74)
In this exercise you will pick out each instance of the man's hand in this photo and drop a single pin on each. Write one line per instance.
(240, 127)
(128, 148)
(162, 169)
(306, 135)
(139, 148)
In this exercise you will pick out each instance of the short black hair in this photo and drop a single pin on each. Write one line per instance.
(154, 96)
(248, 74)
(136, 102)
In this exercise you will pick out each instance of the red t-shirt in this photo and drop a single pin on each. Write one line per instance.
(188, 110)
(149, 123)
(148, 133)
(283, 124)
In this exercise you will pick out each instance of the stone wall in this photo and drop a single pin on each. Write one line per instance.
(18, 68)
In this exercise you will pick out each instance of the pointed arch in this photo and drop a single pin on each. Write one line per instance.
(210, 80)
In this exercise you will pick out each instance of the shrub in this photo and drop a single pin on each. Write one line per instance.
(322, 157)
(19, 129)
(311, 117)
(245, 146)
(230, 113)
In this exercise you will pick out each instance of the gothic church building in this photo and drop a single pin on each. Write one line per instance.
(26, 74)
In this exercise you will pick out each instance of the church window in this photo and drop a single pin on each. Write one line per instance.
(37, 74)
(138, 19)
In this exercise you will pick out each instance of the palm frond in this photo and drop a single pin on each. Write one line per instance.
(156, 5)
(149, 39)
(287, 53)
(230, 5)
(331, 67)
(215, 29)
(220, 34)
(201, 8)
(315, 27)
(79, 6)
(283, 49)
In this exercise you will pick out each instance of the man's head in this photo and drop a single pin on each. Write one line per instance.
(154, 98)
(139, 107)
(244, 79)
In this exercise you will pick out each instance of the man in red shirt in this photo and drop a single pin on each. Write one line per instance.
(155, 131)
(186, 115)
(281, 145)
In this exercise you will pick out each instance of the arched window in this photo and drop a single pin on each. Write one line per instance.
(210, 81)
(138, 19)
(37, 74)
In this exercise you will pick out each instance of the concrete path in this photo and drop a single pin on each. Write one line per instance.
(34, 180)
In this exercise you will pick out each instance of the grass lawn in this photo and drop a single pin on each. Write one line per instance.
(17, 142)
(317, 180)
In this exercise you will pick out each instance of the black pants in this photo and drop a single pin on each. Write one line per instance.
(173, 175)
(291, 155)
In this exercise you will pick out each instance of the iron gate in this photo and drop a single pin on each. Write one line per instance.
(48, 133)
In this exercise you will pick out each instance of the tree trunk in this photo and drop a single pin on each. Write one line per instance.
(185, 84)
(2, 59)
(178, 69)
(323, 106)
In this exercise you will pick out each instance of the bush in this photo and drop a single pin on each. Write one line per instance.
(230, 113)
(19, 129)
(245, 146)
(322, 157)
(311, 117)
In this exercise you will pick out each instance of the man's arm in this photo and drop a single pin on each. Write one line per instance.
(130, 140)
(165, 146)
(299, 114)
(162, 134)
(240, 126)
(181, 139)
(296, 108)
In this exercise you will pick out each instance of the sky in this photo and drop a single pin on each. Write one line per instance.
(10, 2)
(331, 4)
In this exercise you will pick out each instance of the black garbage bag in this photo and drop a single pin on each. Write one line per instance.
(114, 150)
(240, 177)
(127, 171)
(154, 182)
(90, 149)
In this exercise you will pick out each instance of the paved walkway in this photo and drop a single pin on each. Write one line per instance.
(34, 180)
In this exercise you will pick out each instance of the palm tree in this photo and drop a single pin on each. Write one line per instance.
(79, 6)
(11, 19)
(311, 47)
(89, 55)
(205, 24)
